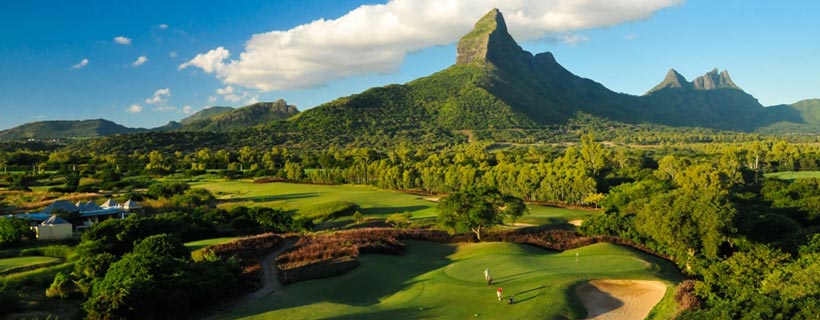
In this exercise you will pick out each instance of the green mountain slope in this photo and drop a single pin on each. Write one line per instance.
(224, 118)
(65, 129)
(205, 114)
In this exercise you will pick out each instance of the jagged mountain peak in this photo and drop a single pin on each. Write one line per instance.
(713, 80)
(488, 41)
(673, 79)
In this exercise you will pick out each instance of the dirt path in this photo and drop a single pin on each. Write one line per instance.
(270, 281)
(620, 299)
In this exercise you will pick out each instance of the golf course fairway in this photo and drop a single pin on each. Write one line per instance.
(446, 281)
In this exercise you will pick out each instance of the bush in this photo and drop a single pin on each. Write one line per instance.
(55, 251)
(13, 230)
(166, 189)
(61, 287)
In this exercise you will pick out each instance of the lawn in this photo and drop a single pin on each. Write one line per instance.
(446, 281)
(18, 262)
(792, 175)
(196, 245)
(374, 202)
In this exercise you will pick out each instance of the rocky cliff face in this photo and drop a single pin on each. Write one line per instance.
(672, 80)
(489, 41)
(712, 80)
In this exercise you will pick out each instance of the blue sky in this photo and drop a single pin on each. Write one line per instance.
(770, 49)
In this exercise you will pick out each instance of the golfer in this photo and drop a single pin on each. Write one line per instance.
(498, 293)
(487, 277)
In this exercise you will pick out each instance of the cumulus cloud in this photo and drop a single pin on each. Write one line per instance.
(80, 65)
(210, 62)
(160, 97)
(141, 60)
(212, 99)
(122, 40)
(173, 54)
(573, 39)
(134, 108)
(163, 26)
(187, 109)
(375, 38)
(232, 94)
(164, 108)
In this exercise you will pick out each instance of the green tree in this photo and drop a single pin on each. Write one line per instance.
(14, 230)
(476, 209)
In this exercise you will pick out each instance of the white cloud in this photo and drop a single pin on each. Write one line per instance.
(212, 99)
(80, 65)
(225, 91)
(134, 108)
(232, 94)
(187, 109)
(164, 108)
(141, 60)
(122, 40)
(211, 61)
(573, 39)
(173, 54)
(163, 26)
(376, 38)
(160, 97)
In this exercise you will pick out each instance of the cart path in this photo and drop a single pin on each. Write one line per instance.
(269, 278)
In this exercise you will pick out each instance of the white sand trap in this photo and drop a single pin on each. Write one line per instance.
(620, 299)
(576, 223)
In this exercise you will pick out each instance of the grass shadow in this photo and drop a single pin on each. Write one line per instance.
(377, 277)
(595, 301)
(389, 210)
(404, 313)
(280, 197)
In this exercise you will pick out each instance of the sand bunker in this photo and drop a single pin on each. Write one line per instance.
(620, 299)
(576, 223)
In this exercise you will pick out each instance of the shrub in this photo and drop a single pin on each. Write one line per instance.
(61, 287)
(54, 251)
(685, 296)
(13, 230)
(167, 189)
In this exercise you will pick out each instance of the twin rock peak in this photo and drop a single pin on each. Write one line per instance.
(489, 41)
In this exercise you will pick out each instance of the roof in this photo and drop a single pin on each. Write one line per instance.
(60, 204)
(110, 203)
(101, 212)
(131, 204)
(54, 220)
(89, 206)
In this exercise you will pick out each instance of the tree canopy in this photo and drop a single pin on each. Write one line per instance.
(477, 208)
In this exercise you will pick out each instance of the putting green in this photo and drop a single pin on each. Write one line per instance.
(446, 281)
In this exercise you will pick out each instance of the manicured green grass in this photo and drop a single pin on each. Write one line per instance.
(446, 281)
(18, 262)
(196, 245)
(374, 202)
(792, 175)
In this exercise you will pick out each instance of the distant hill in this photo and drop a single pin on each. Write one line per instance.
(225, 118)
(66, 129)
(205, 114)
